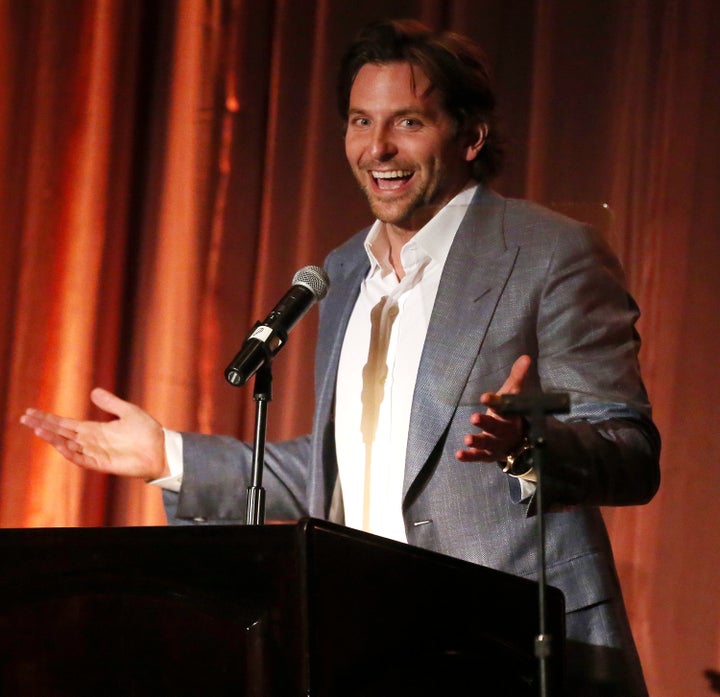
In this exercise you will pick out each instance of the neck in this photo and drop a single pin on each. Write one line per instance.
(397, 239)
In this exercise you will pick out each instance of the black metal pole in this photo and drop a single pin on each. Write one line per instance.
(543, 641)
(262, 394)
(535, 407)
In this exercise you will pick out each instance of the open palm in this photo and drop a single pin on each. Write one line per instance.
(130, 445)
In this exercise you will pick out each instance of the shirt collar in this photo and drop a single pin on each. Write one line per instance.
(431, 242)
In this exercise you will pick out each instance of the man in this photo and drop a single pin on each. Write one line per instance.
(453, 292)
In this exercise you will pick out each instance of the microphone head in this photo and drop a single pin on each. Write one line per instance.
(314, 279)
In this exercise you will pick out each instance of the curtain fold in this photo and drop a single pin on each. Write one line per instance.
(58, 163)
(166, 326)
(166, 167)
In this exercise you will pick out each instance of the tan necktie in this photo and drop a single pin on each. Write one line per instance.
(382, 317)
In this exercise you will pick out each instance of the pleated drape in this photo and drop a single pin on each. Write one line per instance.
(166, 166)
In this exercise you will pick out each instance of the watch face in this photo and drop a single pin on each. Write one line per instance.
(522, 462)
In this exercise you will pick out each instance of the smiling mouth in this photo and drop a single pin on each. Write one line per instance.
(390, 180)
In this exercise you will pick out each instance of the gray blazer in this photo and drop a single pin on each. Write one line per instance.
(518, 279)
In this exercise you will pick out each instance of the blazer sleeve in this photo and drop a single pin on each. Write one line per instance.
(217, 472)
(606, 451)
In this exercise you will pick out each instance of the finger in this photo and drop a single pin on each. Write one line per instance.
(473, 455)
(67, 447)
(79, 447)
(497, 436)
(501, 430)
(74, 453)
(491, 421)
(60, 425)
(65, 435)
(483, 446)
(482, 441)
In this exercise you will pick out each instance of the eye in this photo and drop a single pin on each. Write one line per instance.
(360, 121)
(410, 122)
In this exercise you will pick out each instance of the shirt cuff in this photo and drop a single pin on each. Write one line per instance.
(527, 488)
(174, 458)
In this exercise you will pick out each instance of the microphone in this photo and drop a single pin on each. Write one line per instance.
(310, 284)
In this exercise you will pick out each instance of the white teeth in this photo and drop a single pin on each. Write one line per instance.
(394, 174)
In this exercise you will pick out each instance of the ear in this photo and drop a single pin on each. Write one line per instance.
(475, 138)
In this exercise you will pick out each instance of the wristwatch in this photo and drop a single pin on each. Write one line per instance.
(519, 462)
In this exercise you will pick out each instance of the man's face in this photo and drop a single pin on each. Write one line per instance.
(403, 147)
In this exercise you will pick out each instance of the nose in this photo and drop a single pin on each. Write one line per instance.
(382, 146)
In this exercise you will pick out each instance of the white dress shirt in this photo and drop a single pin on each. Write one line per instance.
(376, 504)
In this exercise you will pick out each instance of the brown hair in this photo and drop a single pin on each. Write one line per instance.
(454, 64)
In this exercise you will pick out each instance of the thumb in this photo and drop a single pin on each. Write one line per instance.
(109, 402)
(513, 384)
(518, 373)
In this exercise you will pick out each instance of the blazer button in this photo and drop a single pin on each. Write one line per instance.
(418, 523)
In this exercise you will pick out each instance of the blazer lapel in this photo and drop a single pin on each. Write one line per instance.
(337, 308)
(348, 272)
(473, 279)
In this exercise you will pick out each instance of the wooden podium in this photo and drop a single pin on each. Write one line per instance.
(308, 609)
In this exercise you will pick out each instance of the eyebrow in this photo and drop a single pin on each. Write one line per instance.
(405, 111)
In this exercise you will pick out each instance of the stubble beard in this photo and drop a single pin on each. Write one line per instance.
(402, 210)
(394, 212)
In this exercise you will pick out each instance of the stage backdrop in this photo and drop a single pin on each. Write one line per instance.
(167, 166)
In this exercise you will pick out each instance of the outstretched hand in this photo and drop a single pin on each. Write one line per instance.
(498, 435)
(132, 445)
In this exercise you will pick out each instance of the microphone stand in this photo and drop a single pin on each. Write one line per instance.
(535, 407)
(543, 641)
(310, 284)
(262, 394)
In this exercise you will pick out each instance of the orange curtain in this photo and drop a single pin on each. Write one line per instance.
(166, 166)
